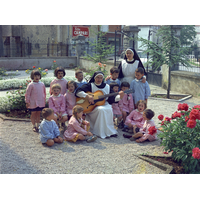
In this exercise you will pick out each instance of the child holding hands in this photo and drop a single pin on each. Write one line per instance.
(59, 73)
(78, 128)
(57, 103)
(49, 132)
(148, 131)
(35, 98)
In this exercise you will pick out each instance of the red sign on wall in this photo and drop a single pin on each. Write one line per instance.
(80, 30)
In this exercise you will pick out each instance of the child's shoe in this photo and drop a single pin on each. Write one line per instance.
(121, 124)
(125, 129)
(127, 136)
(91, 139)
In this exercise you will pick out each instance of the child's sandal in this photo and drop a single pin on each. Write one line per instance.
(91, 139)
(35, 129)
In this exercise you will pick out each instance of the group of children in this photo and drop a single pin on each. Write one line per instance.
(62, 107)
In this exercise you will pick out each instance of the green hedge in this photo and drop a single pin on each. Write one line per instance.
(16, 83)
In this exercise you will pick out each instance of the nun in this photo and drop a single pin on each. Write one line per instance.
(101, 118)
(128, 66)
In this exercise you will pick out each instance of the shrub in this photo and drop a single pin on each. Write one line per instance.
(54, 66)
(42, 71)
(181, 135)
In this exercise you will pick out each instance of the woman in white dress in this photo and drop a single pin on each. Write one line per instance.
(128, 66)
(101, 118)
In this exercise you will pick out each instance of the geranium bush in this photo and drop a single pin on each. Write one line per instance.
(181, 135)
(42, 71)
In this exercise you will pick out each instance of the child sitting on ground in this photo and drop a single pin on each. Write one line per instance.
(127, 103)
(114, 73)
(78, 128)
(57, 103)
(141, 90)
(49, 132)
(35, 98)
(79, 76)
(144, 132)
(70, 98)
(116, 107)
(135, 120)
(59, 73)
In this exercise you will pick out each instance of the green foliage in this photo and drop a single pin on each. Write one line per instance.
(54, 66)
(180, 139)
(100, 49)
(41, 70)
(2, 72)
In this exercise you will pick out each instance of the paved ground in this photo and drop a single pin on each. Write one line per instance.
(22, 153)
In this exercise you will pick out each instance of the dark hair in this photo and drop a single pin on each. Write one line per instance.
(72, 82)
(59, 69)
(125, 84)
(113, 84)
(34, 73)
(149, 113)
(47, 112)
(114, 70)
(142, 101)
(77, 72)
(140, 70)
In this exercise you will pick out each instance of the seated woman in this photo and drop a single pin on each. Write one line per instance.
(101, 118)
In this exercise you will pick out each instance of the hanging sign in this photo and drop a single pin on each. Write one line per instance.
(80, 30)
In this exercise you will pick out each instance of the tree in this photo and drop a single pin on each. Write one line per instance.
(168, 51)
(188, 34)
(100, 49)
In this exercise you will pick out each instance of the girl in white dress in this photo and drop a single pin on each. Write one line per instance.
(101, 118)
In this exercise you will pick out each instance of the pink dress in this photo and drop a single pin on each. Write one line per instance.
(35, 95)
(70, 101)
(144, 129)
(127, 103)
(116, 108)
(135, 118)
(57, 103)
(74, 128)
(63, 84)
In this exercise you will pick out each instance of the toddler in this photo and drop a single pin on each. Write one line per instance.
(116, 107)
(114, 73)
(141, 90)
(49, 132)
(127, 103)
(70, 98)
(59, 73)
(57, 103)
(79, 76)
(143, 133)
(35, 98)
(77, 128)
(135, 120)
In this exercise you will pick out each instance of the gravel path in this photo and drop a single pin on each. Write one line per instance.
(22, 152)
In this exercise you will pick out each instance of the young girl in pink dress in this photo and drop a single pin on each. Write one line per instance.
(59, 73)
(116, 107)
(35, 98)
(144, 132)
(135, 120)
(78, 128)
(70, 98)
(57, 103)
(127, 103)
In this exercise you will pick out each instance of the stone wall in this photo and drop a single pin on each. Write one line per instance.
(26, 63)
(186, 82)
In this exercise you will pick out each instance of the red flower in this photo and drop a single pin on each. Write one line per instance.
(191, 123)
(160, 117)
(34, 67)
(196, 153)
(162, 123)
(186, 118)
(197, 107)
(176, 114)
(165, 152)
(183, 106)
(167, 119)
(46, 70)
(152, 130)
(194, 114)
(54, 61)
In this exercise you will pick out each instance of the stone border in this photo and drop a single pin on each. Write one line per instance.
(167, 169)
(183, 95)
(14, 119)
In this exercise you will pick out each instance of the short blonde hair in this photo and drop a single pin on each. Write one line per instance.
(56, 85)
